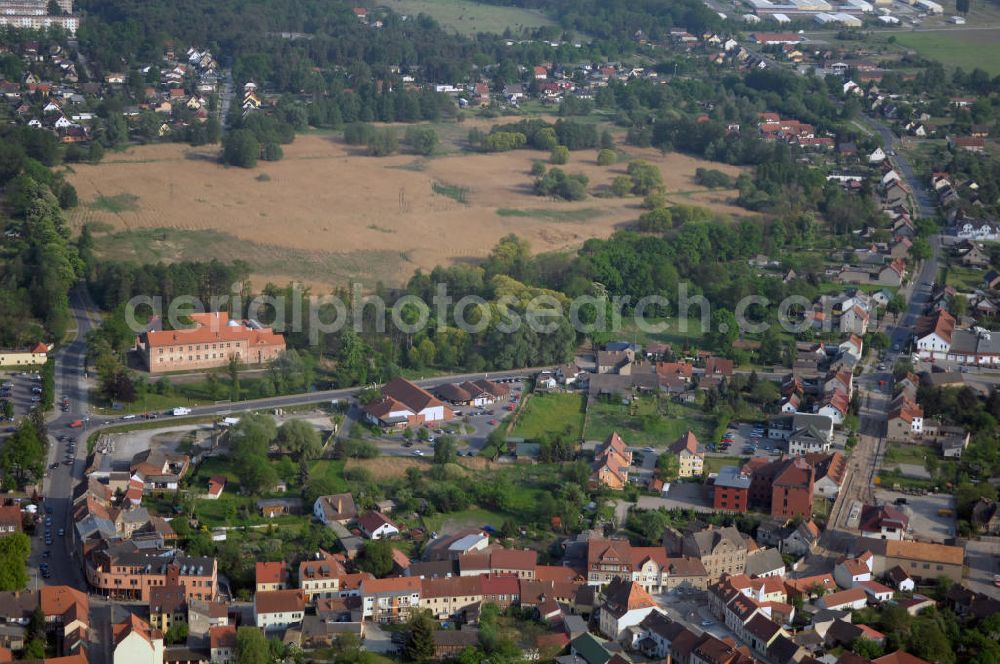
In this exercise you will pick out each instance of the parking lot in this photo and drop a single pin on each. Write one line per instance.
(22, 390)
(931, 516)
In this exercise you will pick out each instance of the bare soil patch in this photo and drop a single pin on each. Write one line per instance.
(329, 214)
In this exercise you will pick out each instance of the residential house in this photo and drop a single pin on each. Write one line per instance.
(449, 597)
(278, 609)
(846, 600)
(611, 462)
(906, 419)
(67, 610)
(764, 564)
(134, 642)
(854, 321)
(933, 335)
(390, 600)
(690, 455)
(784, 487)
(625, 604)
(271, 576)
(883, 522)
(376, 525)
(320, 576)
(216, 484)
(900, 580)
(336, 508)
(167, 605)
(850, 572)
(720, 550)
(829, 471)
(222, 644)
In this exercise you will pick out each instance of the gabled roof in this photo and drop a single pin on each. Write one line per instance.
(763, 627)
(409, 394)
(279, 601)
(689, 443)
(372, 521)
(874, 518)
(624, 596)
(222, 636)
(940, 322)
(271, 572)
(134, 624)
(843, 597)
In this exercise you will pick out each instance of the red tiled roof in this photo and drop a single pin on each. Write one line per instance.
(687, 442)
(222, 636)
(271, 572)
(279, 601)
(519, 559)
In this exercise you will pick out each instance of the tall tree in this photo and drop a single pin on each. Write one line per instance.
(23, 457)
(251, 646)
(420, 642)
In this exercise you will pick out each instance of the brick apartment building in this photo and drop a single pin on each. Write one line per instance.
(784, 487)
(131, 574)
(732, 490)
(210, 344)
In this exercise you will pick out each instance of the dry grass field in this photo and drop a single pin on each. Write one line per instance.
(327, 214)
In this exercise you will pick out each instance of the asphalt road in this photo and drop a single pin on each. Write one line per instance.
(864, 461)
(59, 481)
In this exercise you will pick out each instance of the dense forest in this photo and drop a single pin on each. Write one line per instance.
(38, 262)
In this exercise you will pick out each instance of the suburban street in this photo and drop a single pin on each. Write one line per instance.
(867, 456)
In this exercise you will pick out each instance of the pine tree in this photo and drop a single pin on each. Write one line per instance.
(420, 645)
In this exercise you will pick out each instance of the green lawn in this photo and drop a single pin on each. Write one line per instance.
(965, 278)
(647, 420)
(472, 517)
(468, 17)
(968, 49)
(549, 414)
(674, 331)
(332, 470)
(714, 463)
(149, 403)
(912, 454)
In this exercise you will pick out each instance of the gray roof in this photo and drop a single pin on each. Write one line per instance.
(730, 476)
(707, 540)
(763, 561)
(802, 420)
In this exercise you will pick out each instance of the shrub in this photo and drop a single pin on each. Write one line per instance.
(358, 133)
(621, 185)
(559, 155)
(383, 143)
(712, 178)
(606, 157)
(538, 169)
(557, 183)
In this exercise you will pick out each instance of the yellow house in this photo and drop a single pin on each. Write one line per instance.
(690, 455)
(37, 354)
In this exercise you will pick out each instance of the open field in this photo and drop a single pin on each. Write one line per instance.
(330, 214)
(645, 422)
(967, 49)
(468, 18)
(550, 414)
